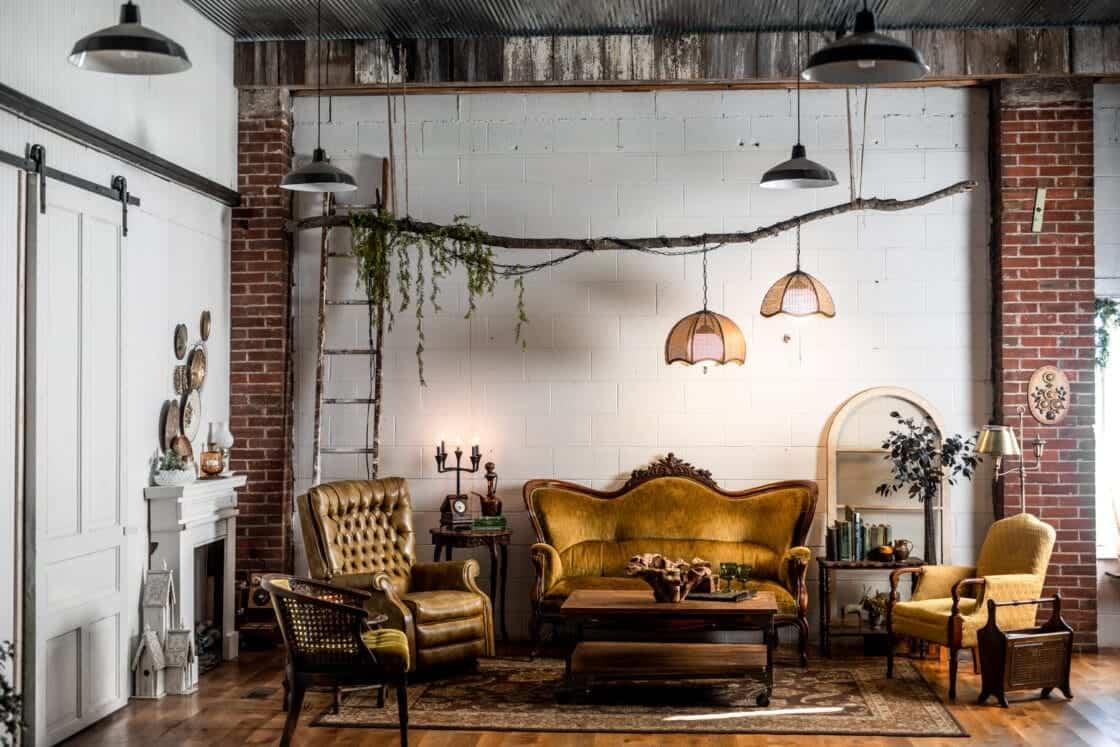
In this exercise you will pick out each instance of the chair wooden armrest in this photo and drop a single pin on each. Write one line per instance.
(897, 574)
(959, 587)
(797, 567)
(322, 590)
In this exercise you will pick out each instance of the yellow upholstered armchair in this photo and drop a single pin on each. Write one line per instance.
(949, 603)
(585, 537)
(358, 534)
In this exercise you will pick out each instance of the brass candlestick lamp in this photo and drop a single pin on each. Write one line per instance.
(1000, 442)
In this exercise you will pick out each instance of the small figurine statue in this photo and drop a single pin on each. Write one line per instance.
(490, 503)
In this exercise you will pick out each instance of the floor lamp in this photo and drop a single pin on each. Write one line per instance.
(999, 441)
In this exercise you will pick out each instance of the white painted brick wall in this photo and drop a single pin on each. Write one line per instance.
(590, 398)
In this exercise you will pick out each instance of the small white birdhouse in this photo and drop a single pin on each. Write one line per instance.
(159, 602)
(179, 655)
(148, 667)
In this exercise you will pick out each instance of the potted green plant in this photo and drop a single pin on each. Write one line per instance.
(875, 603)
(172, 469)
(11, 704)
(920, 461)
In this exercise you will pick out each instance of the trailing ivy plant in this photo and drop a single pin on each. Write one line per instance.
(1108, 313)
(398, 268)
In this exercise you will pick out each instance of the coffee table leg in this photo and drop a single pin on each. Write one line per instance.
(504, 551)
(769, 637)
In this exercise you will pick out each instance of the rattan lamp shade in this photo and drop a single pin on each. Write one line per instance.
(705, 338)
(798, 294)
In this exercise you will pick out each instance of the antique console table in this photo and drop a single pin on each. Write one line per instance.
(496, 542)
(825, 571)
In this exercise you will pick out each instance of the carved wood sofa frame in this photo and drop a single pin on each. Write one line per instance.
(671, 466)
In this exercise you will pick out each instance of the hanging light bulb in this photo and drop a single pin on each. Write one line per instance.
(129, 48)
(705, 338)
(866, 57)
(798, 293)
(798, 172)
(319, 175)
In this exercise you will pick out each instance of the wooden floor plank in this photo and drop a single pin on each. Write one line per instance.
(219, 714)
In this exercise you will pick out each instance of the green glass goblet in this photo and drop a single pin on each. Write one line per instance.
(727, 573)
(743, 573)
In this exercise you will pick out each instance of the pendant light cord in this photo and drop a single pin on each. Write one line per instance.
(797, 261)
(797, 71)
(319, 77)
(704, 266)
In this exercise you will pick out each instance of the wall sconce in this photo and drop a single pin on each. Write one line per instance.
(999, 441)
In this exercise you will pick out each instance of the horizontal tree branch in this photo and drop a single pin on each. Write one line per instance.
(607, 243)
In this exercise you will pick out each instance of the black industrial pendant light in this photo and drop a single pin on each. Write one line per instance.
(798, 172)
(129, 48)
(319, 175)
(866, 57)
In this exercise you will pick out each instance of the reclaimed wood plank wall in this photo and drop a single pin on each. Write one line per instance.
(731, 56)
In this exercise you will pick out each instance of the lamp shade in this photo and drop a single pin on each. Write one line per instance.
(705, 338)
(798, 294)
(998, 440)
(319, 176)
(866, 57)
(798, 173)
(129, 48)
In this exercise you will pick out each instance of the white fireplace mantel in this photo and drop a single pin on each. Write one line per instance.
(185, 517)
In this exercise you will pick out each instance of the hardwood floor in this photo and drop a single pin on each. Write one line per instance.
(220, 714)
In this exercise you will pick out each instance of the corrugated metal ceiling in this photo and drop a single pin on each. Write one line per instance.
(409, 19)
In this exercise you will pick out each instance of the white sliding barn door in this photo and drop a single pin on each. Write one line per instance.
(80, 632)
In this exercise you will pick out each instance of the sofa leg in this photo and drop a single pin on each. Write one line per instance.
(803, 641)
(953, 651)
(535, 626)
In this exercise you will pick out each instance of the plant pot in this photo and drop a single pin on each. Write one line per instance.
(171, 477)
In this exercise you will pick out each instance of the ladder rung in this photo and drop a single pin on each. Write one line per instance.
(346, 450)
(348, 302)
(340, 254)
(347, 400)
(347, 351)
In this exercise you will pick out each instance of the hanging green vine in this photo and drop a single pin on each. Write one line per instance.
(1108, 312)
(384, 246)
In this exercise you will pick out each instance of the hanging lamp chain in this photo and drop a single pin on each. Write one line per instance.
(319, 75)
(798, 240)
(704, 271)
(797, 71)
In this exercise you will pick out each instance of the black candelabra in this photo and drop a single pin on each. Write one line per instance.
(458, 469)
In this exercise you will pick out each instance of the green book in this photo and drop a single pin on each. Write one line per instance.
(844, 539)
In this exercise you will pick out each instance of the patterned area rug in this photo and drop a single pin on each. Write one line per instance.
(851, 696)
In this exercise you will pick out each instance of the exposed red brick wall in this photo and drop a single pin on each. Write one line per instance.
(260, 282)
(1044, 302)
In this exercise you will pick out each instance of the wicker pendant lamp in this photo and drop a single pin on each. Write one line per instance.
(798, 293)
(705, 338)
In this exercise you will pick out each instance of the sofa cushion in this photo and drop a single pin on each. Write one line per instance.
(554, 597)
(439, 606)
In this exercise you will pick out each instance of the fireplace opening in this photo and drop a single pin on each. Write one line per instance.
(209, 568)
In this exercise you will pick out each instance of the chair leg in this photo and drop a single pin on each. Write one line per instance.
(953, 651)
(402, 710)
(287, 694)
(381, 696)
(975, 660)
(294, 707)
(803, 641)
(890, 652)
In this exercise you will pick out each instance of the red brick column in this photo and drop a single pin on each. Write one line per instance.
(260, 282)
(1043, 289)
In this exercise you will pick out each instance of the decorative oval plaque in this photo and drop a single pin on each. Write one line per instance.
(1048, 395)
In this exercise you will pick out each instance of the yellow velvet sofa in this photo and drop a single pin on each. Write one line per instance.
(949, 604)
(585, 537)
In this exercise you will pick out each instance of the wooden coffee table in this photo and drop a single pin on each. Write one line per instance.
(664, 659)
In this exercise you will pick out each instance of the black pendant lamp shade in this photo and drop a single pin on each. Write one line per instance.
(866, 57)
(799, 173)
(129, 48)
(319, 176)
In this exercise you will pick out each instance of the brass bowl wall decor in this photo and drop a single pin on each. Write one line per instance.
(182, 380)
(180, 341)
(196, 367)
(182, 447)
(204, 325)
(168, 424)
(190, 417)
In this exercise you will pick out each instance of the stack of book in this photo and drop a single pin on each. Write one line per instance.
(489, 522)
(852, 539)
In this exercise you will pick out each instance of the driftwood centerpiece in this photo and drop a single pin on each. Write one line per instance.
(671, 580)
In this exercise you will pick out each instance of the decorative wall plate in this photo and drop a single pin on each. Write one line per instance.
(1048, 395)
(183, 448)
(190, 417)
(168, 423)
(180, 341)
(204, 325)
(196, 367)
(182, 380)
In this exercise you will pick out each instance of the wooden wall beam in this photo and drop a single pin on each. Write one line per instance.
(733, 57)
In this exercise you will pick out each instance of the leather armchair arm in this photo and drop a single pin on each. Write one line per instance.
(796, 566)
(451, 575)
(389, 603)
(550, 569)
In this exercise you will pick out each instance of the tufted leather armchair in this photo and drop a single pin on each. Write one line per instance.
(358, 534)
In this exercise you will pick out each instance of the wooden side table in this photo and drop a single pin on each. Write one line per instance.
(825, 570)
(496, 542)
